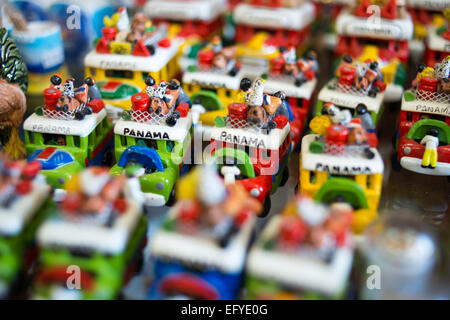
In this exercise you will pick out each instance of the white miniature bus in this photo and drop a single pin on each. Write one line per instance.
(260, 31)
(378, 39)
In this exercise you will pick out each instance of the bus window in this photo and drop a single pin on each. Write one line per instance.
(145, 75)
(125, 74)
(123, 141)
(312, 177)
(76, 141)
(170, 145)
(91, 137)
(30, 136)
(147, 143)
(93, 71)
(409, 116)
(54, 139)
(299, 102)
(228, 93)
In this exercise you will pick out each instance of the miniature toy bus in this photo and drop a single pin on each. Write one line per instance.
(213, 82)
(158, 142)
(384, 39)
(99, 230)
(193, 20)
(124, 57)
(261, 28)
(425, 15)
(68, 133)
(343, 162)
(356, 87)
(424, 124)
(261, 155)
(24, 203)
(198, 253)
(298, 80)
(286, 263)
(437, 45)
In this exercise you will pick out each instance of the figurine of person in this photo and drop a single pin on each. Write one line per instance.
(431, 142)
(94, 91)
(366, 119)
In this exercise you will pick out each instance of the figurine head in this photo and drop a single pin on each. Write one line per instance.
(220, 61)
(89, 81)
(56, 80)
(173, 85)
(432, 132)
(361, 109)
(245, 84)
(150, 81)
(348, 59)
(280, 94)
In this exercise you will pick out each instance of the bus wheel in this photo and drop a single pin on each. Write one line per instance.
(171, 201)
(285, 177)
(266, 207)
(108, 157)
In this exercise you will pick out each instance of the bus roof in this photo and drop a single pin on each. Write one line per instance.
(349, 98)
(57, 231)
(429, 5)
(213, 79)
(204, 10)
(437, 43)
(303, 271)
(203, 251)
(275, 18)
(341, 165)
(287, 84)
(251, 137)
(14, 218)
(437, 103)
(348, 24)
(82, 128)
(155, 131)
(152, 63)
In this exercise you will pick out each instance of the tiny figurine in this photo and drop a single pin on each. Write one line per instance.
(305, 252)
(423, 131)
(68, 133)
(200, 250)
(153, 140)
(24, 203)
(128, 52)
(340, 160)
(96, 227)
(13, 85)
(255, 138)
(263, 27)
(357, 89)
(388, 37)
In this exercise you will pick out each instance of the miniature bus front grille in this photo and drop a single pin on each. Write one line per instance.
(439, 97)
(63, 115)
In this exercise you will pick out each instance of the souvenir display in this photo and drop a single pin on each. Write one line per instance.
(264, 26)
(305, 252)
(383, 38)
(71, 131)
(24, 203)
(201, 248)
(255, 138)
(424, 125)
(339, 162)
(97, 228)
(188, 113)
(130, 50)
(153, 140)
